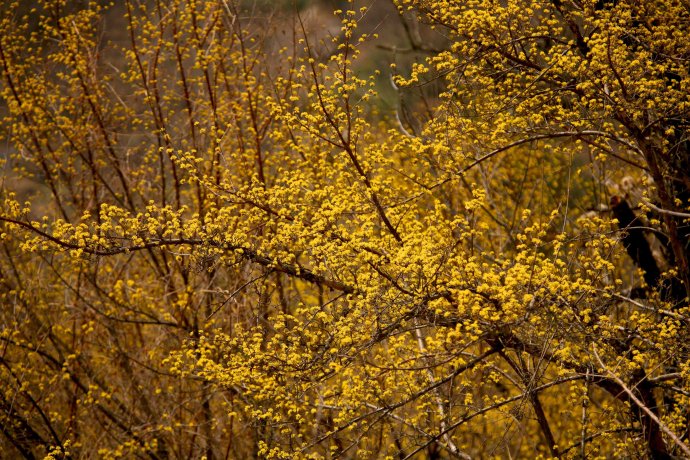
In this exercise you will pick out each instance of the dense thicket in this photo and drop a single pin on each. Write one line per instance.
(226, 232)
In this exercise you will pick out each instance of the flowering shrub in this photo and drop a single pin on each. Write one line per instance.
(220, 239)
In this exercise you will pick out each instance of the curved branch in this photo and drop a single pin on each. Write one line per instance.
(653, 207)
(290, 269)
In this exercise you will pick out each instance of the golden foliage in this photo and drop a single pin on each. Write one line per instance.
(220, 240)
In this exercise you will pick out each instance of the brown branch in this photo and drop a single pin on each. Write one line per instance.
(346, 144)
(536, 404)
(290, 269)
